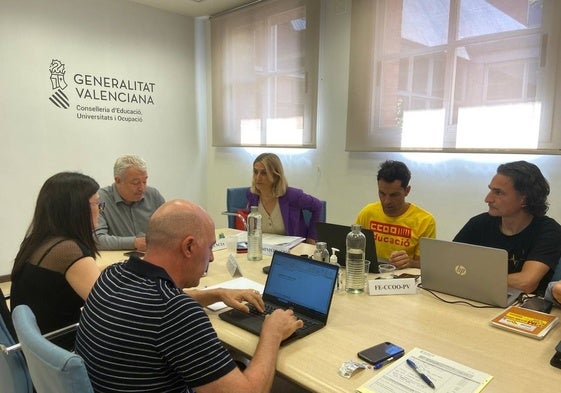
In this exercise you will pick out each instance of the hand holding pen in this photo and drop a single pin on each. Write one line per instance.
(412, 364)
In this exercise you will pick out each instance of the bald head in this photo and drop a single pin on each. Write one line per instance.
(175, 220)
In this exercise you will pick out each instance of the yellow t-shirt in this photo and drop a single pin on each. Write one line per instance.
(397, 233)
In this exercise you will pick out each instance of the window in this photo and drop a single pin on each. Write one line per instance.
(264, 74)
(471, 75)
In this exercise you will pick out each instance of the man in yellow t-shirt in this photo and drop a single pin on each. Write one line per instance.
(398, 225)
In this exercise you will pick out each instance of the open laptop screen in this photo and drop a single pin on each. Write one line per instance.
(299, 282)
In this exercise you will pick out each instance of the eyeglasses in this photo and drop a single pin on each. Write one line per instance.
(100, 205)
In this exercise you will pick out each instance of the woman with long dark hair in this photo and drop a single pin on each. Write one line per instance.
(55, 267)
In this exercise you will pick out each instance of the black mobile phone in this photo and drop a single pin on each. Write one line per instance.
(556, 359)
(381, 354)
(538, 304)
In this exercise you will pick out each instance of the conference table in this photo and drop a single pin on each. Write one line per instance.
(356, 321)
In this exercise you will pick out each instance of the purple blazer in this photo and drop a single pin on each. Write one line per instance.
(291, 205)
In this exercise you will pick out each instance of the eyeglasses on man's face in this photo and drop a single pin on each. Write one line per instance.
(100, 205)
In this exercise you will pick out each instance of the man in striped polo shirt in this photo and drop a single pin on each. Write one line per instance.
(140, 331)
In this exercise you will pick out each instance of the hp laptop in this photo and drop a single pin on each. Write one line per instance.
(301, 284)
(468, 271)
(335, 235)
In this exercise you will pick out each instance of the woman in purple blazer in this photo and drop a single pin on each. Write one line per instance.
(281, 206)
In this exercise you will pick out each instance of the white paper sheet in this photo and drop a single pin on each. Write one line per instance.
(447, 376)
(237, 283)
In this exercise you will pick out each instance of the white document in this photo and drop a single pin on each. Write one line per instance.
(281, 240)
(447, 376)
(271, 242)
(237, 283)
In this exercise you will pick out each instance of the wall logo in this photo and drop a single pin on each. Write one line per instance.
(100, 97)
(58, 84)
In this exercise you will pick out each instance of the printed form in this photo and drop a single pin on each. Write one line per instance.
(445, 374)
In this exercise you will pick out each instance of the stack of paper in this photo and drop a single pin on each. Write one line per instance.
(272, 243)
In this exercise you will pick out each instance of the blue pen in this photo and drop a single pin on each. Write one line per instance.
(423, 376)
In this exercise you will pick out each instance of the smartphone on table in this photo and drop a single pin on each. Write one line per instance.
(381, 354)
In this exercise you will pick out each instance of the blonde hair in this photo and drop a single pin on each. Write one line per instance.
(275, 173)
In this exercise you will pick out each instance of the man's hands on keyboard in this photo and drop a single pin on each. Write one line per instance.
(240, 299)
(267, 309)
(280, 323)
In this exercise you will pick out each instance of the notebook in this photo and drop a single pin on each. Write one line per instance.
(335, 235)
(295, 282)
(468, 271)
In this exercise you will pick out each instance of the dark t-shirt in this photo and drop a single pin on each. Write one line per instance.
(42, 285)
(539, 241)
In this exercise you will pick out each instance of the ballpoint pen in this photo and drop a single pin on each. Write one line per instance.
(412, 364)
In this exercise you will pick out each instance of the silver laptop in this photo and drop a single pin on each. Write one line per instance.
(468, 271)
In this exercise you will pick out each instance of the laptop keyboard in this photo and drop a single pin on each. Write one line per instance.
(308, 323)
(268, 309)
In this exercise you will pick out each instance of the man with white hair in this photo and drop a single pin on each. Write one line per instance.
(129, 204)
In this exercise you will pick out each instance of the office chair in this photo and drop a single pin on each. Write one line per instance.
(323, 217)
(235, 200)
(52, 368)
(14, 376)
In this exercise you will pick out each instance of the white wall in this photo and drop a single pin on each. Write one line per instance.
(451, 186)
(107, 38)
(129, 40)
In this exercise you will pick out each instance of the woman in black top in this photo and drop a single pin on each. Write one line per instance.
(55, 267)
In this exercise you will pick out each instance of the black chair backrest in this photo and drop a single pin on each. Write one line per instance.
(7, 315)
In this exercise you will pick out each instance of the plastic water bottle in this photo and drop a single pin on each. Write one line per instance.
(356, 244)
(254, 235)
(321, 253)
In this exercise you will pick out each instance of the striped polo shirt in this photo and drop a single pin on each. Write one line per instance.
(140, 333)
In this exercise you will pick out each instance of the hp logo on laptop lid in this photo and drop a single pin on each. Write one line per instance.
(460, 270)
